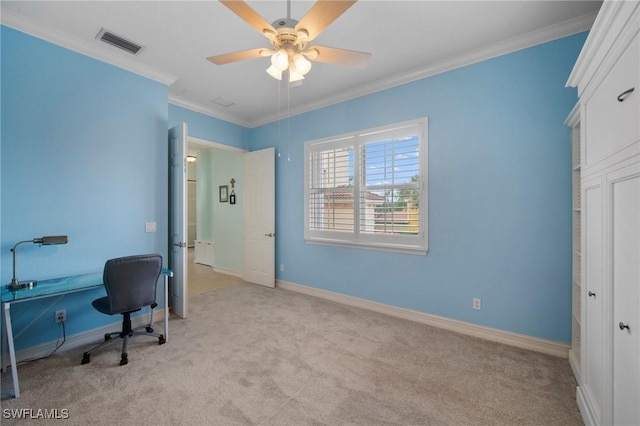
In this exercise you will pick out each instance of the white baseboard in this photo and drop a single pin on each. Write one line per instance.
(585, 407)
(87, 338)
(513, 339)
(575, 366)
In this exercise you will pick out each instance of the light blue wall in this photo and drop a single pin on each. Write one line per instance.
(205, 194)
(227, 218)
(220, 222)
(499, 195)
(84, 153)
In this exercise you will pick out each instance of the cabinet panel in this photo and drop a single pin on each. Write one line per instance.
(625, 215)
(204, 253)
(593, 295)
(611, 124)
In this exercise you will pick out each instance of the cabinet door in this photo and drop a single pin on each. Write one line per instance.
(594, 297)
(612, 112)
(624, 187)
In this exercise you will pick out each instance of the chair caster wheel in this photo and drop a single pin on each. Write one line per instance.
(149, 330)
(86, 358)
(107, 337)
(124, 360)
(162, 340)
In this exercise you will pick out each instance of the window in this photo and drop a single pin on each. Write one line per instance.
(369, 188)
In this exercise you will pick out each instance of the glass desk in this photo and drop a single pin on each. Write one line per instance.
(58, 287)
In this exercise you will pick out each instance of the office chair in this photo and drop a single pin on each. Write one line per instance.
(131, 285)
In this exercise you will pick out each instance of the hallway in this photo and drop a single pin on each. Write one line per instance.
(203, 278)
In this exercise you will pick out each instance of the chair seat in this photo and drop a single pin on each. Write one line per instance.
(103, 305)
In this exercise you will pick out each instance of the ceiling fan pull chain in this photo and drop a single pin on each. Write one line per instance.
(279, 122)
(288, 119)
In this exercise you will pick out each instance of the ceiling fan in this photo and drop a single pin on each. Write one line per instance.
(289, 39)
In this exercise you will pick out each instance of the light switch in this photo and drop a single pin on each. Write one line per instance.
(150, 227)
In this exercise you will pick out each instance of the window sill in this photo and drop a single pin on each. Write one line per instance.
(368, 246)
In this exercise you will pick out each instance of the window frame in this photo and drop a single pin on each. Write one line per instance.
(415, 244)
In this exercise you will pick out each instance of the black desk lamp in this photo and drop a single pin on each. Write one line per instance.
(45, 241)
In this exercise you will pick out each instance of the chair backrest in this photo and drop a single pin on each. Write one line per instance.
(131, 281)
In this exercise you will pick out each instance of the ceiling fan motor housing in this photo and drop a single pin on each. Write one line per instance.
(287, 34)
(284, 23)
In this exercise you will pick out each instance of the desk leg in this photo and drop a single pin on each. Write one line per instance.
(5, 349)
(12, 350)
(166, 307)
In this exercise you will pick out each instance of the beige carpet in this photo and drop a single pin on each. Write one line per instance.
(249, 355)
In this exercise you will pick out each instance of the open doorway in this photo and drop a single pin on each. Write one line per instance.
(225, 212)
(214, 228)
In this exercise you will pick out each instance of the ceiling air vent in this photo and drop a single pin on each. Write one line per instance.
(119, 42)
(222, 101)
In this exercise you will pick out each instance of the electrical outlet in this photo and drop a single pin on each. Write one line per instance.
(477, 304)
(282, 267)
(61, 316)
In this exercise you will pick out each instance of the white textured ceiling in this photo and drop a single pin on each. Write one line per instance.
(408, 40)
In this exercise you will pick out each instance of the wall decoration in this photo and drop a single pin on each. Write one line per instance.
(224, 193)
(232, 196)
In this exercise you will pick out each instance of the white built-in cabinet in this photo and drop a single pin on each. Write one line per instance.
(576, 247)
(204, 252)
(607, 75)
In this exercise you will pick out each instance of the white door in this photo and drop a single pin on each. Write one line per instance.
(259, 217)
(625, 220)
(177, 219)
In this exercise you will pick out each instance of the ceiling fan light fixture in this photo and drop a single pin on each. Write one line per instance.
(274, 72)
(301, 64)
(294, 76)
(280, 60)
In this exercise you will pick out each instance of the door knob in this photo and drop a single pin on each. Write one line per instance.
(592, 294)
(270, 234)
(180, 244)
(623, 326)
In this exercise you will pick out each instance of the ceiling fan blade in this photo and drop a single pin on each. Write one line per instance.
(250, 16)
(321, 15)
(332, 55)
(239, 56)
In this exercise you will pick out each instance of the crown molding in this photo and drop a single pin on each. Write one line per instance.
(616, 25)
(91, 49)
(534, 38)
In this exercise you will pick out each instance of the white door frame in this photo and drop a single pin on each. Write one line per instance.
(193, 142)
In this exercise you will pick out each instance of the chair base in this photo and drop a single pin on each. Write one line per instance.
(124, 335)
